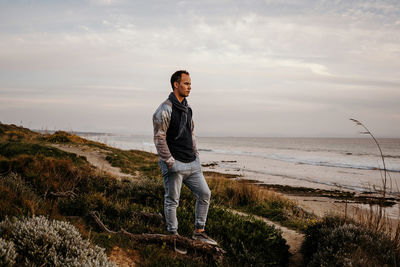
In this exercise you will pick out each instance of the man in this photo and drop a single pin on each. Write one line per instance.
(178, 157)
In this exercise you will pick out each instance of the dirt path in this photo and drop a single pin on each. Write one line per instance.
(124, 257)
(97, 157)
(293, 239)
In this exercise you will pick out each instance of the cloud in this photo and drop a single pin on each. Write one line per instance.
(250, 57)
(106, 2)
(313, 67)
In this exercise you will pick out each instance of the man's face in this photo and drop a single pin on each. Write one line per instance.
(184, 86)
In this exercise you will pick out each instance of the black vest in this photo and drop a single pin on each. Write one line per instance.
(182, 148)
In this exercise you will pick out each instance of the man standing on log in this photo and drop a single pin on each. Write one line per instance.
(178, 157)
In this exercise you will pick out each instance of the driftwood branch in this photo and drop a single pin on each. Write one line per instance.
(95, 216)
(214, 252)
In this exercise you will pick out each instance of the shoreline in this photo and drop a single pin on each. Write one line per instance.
(320, 201)
(367, 197)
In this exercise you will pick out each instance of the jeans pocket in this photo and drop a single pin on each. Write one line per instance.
(198, 162)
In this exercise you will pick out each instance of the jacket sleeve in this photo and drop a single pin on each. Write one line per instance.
(161, 120)
(194, 141)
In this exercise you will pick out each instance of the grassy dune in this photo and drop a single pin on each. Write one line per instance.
(37, 179)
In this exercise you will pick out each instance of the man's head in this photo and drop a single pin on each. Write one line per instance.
(181, 84)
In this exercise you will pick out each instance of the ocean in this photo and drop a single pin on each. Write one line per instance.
(351, 164)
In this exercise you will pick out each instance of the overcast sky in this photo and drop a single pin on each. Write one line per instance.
(258, 68)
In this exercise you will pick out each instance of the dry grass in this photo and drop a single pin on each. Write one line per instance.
(253, 199)
(376, 220)
(240, 192)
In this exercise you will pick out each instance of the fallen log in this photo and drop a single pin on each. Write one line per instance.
(95, 216)
(215, 252)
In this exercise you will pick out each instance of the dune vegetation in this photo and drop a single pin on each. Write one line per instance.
(40, 180)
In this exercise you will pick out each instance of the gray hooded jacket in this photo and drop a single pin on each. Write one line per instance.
(161, 120)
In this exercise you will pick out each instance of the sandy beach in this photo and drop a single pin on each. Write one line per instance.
(319, 200)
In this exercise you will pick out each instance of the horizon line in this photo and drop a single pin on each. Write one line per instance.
(213, 136)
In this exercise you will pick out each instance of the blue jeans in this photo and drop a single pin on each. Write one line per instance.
(192, 176)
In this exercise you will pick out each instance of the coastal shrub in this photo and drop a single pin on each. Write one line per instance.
(7, 253)
(13, 133)
(47, 174)
(315, 232)
(335, 242)
(42, 242)
(248, 242)
(64, 137)
(59, 137)
(16, 197)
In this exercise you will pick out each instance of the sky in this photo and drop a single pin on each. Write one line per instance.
(258, 68)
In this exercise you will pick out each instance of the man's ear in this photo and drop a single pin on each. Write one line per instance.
(176, 85)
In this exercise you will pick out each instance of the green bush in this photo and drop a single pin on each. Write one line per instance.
(334, 242)
(41, 242)
(248, 242)
(59, 137)
(315, 232)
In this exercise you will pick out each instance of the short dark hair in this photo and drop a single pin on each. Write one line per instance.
(176, 77)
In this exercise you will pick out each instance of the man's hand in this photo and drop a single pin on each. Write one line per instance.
(170, 165)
